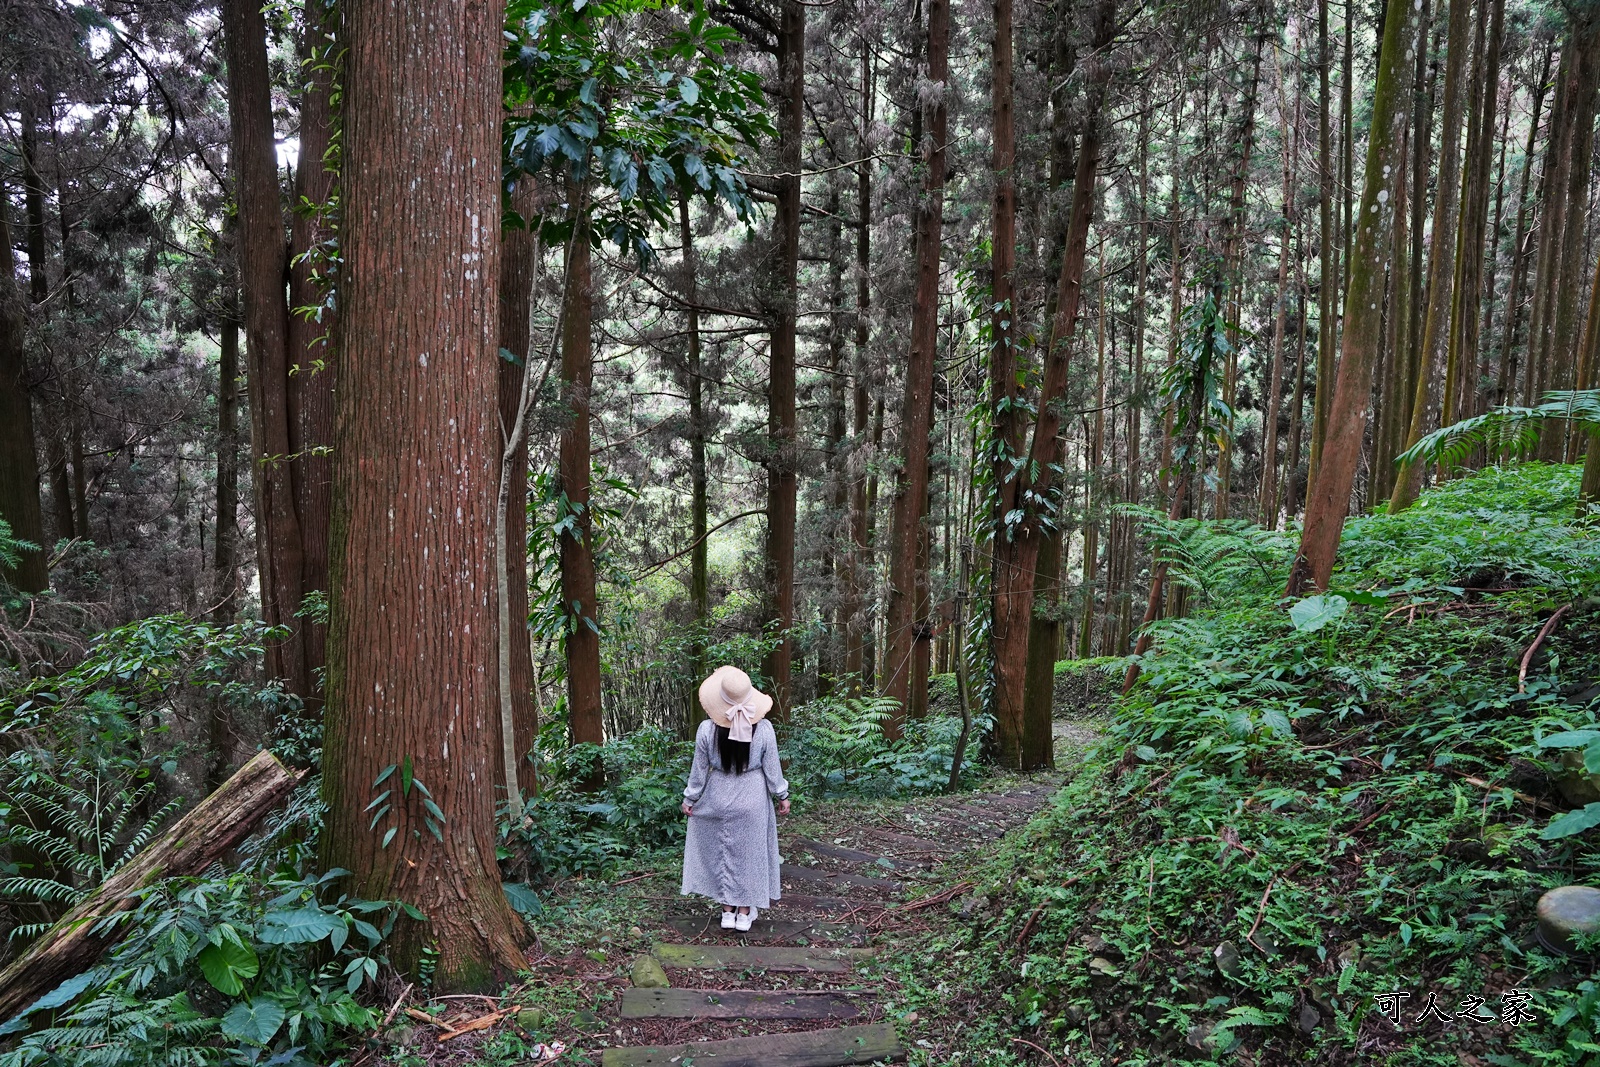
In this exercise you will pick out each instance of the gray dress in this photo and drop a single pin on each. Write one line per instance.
(731, 855)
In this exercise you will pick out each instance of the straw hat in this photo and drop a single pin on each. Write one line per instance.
(730, 700)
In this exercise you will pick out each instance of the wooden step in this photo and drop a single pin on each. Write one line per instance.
(794, 872)
(812, 958)
(772, 930)
(735, 1004)
(840, 852)
(820, 903)
(809, 1048)
(908, 842)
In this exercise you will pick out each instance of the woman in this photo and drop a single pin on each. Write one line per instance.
(731, 855)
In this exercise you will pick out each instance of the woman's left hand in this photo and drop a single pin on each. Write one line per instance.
(783, 806)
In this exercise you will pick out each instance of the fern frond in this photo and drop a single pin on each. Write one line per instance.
(1509, 431)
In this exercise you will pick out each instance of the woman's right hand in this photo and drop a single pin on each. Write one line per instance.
(688, 808)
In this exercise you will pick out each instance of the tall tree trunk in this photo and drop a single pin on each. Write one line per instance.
(911, 484)
(1441, 254)
(837, 529)
(578, 578)
(1291, 455)
(1329, 500)
(1519, 243)
(1464, 334)
(224, 543)
(1560, 353)
(1328, 258)
(519, 262)
(699, 495)
(19, 456)
(412, 640)
(311, 374)
(1269, 451)
(858, 574)
(782, 424)
(1017, 550)
(1004, 390)
(280, 549)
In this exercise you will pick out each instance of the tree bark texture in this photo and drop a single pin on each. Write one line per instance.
(518, 266)
(1441, 253)
(263, 267)
(578, 578)
(782, 419)
(1017, 547)
(1329, 500)
(916, 414)
(412, 645)
(19, 456)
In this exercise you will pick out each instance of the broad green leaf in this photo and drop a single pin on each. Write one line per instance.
(1573, 822)
(523, 900)
(1315, 612)
(1569, 739)
(253, 1022)
(298, 927)
(227, 965)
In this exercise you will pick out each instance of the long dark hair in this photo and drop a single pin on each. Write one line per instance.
(735, 754)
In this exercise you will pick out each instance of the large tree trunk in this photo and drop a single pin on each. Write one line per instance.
(518, 266)
(578, 578)
(782, 420)
(197, 840)
(280, 549)
(1004, 391)
(1327, 257)
(411, 662)
(1441, 253)
(916, 413)
(1329, 499)
(19, 456)
(1017, 547)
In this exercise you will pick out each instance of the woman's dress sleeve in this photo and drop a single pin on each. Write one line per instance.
(698, 772)
(777, 785)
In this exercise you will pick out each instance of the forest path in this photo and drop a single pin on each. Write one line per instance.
(799, 990)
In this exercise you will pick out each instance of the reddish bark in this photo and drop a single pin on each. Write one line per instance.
(411, 671)
(518, 249)
(903, 619)
(782, 425)
(280, 550)
(1017, 545)
(578, 580)
(19, 457)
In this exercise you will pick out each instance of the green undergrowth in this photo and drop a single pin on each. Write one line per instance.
(1326, 799)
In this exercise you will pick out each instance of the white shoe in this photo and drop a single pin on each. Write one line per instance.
(755, 913)
(741, 923)
(728, 920)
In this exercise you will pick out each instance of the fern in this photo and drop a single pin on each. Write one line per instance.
(1507, 432)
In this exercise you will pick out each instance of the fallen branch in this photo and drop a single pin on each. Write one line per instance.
(938, 898)
(1030, 1044)
(190, 845)
(483, 1022)
(395, 1009)
(1261, 909)
(1544, 632)
(1491, 787)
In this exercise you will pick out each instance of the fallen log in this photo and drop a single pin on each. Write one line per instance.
(190, 845)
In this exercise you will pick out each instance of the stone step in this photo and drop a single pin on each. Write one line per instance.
(736, 1004)
(840, 852)
(814, 959)
(811, 1048)
(771, 930)
(794, 872)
